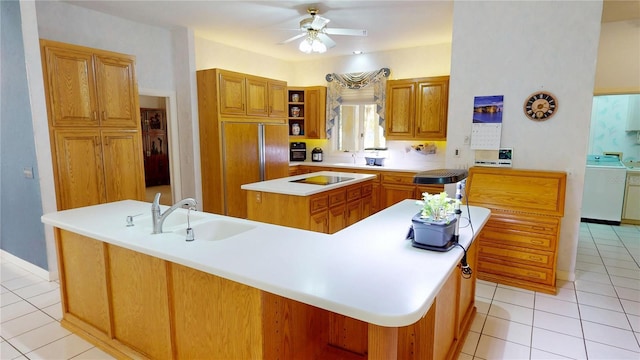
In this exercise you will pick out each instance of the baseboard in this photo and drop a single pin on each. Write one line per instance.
(34, 269)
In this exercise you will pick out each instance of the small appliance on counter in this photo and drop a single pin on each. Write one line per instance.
(297, 151)
(375, 156)
(316, 154)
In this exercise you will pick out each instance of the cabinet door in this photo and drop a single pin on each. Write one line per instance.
(431, 113)
(401, 103)
(319, 222)
(257, 97)
(315, 112)
(336, 218)
(277, 99)
(631, 209)
(467, 290)
(140, 305)
(117, 92)
(124, 170)
(79, 169)
(71, 90)
(276, 151)
(84, 279)
(353, 212)
(240, 157)
(392, 193)
(232, 94)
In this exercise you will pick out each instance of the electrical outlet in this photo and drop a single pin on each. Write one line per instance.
(456, 153)
(27, 172)
(467, 139)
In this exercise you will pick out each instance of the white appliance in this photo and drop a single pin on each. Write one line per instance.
(603, 195)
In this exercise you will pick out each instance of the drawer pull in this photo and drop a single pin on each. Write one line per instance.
(535, 258)
(537, 242)
(537, 227)
(532, 274)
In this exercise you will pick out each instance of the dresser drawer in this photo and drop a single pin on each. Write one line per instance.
(530, 224)
(518, 238)
(528, 257)
(504, 269)
(318, 203)
(354, 192)
(337, 197)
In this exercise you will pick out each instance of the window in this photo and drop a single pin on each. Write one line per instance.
(358, 125)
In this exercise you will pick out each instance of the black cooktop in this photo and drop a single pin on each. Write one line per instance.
(322, 180)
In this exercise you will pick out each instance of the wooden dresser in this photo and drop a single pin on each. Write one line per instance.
(518, 245)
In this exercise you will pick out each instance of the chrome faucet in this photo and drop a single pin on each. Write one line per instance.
(158, 218)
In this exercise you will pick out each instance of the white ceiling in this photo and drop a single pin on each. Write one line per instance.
(259, 26)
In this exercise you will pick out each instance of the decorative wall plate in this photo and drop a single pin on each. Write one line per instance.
(540, 106)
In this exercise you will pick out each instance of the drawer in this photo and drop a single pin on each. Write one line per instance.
(337, 197)
(354, 192)
(318, 203)
(528, 257)
(398, 178)
(367, 189)
(514, 271)
(531, 224)
(518, 238)
(431, 189)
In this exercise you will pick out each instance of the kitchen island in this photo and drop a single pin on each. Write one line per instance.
(324, 201)
(259, 291)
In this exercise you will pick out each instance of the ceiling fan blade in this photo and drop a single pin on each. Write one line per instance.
(351, 32)
(326, 40)
(319, 22)
(293, 38)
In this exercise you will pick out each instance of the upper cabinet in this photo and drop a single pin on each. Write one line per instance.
(251, 96)
(307, 112)
(416, 109)
(89, 88)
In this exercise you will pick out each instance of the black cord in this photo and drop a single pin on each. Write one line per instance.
(464, 267)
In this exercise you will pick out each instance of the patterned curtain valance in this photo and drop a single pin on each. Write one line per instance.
(337, 82)
(358, 80)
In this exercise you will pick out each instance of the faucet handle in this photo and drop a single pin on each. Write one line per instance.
(156, 201)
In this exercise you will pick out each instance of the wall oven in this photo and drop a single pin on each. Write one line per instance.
(297, 151)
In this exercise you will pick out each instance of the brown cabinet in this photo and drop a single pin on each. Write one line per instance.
(89, 88)
(397, 186)
(97, 166)
(251, 96)
(94, 124)
(328, 211)
(307, 112)
(518, 245)
(417, 108)
(230, 137)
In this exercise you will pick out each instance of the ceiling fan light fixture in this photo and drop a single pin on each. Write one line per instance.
(311, 43)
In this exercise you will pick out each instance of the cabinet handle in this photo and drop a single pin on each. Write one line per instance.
(95, 115)
(532, 274)
(537, 242)
(104, 115)
(537, 227)
(535, 258)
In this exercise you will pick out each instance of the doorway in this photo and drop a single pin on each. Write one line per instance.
(156, 148)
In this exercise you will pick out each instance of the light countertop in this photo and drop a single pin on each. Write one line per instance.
(289, 187)
(368, 271)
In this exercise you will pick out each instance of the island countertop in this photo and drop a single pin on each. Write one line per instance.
(289, 186)
(367, 271)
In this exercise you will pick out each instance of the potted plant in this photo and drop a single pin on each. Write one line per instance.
(434, 225)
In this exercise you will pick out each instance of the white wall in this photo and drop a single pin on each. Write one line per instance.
(503, 48)
(617, 70)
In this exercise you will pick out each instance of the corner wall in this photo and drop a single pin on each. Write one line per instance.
(507, 48)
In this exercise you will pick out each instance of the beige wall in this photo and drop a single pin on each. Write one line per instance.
(618, 69)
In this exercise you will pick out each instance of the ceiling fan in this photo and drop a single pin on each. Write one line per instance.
(314, 30)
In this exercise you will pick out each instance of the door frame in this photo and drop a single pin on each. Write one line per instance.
(172, 137)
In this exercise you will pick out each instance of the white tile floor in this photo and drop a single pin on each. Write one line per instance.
(595, 317)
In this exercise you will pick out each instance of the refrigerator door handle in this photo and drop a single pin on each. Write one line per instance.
(261, 151)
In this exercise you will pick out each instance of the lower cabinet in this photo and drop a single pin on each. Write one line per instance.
(328, 212)
(137, 306)
(631, 209)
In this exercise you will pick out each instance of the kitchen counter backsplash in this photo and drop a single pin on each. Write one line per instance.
(400, 155)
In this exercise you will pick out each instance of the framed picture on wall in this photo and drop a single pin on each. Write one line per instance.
(155, 119)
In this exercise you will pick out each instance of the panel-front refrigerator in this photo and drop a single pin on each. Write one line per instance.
(251, 152)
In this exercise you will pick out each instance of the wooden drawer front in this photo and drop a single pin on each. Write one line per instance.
(431, 189)
(538, 275)
(532, 224)
(353, 193)
(337, 197)
(318, 203)
(518, 238)
(530, 257)
(367, 189)
(397, 178)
